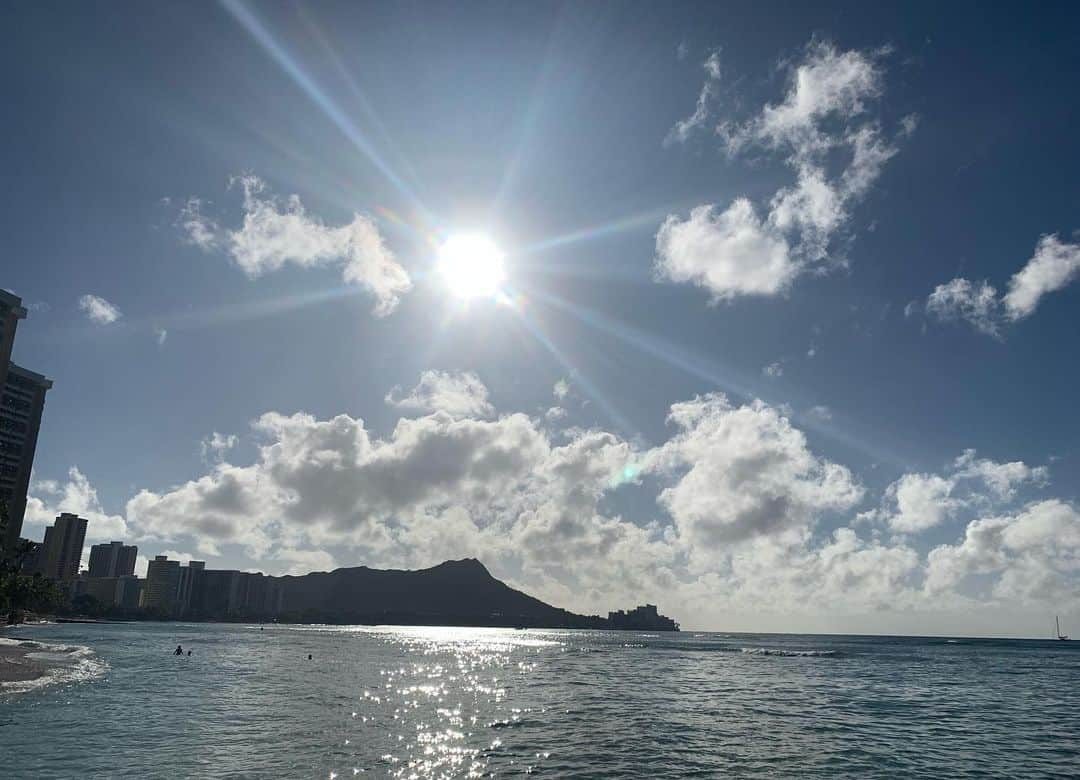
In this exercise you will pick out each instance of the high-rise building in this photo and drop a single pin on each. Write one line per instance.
(22, 401)
(162, 585)
(189, 590)
(62, 549)
(128, 590)
(11, 311)
(114, 559)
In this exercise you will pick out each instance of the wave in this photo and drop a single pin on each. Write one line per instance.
(789, 653)
(59, 664)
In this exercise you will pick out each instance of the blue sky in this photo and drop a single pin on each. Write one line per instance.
(151, 158)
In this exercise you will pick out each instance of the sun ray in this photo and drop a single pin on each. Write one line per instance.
(726, 379)
(239, 10)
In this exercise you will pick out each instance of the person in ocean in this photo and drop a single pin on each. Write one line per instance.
(189, 652)
(179, 650)
(309, 656)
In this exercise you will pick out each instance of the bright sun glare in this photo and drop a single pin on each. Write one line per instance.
(472, 266)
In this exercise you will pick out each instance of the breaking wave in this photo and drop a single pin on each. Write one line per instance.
(59, 665)
(788, 653)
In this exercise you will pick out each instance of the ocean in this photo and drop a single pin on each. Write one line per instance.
(459, 702)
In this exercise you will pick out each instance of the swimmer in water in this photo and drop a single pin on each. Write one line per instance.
(309, 656)
(179, 650)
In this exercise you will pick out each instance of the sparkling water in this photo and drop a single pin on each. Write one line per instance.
(459, 702)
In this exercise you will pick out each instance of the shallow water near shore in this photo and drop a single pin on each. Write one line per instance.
(458, 702)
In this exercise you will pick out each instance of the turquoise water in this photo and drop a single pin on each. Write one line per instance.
(439, 702)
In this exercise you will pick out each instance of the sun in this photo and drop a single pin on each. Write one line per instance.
(472, 266)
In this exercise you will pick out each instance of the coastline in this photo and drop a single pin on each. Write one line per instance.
(16, 665)
(27, 664)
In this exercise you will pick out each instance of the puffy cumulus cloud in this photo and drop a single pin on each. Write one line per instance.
(824, 132)
(916, 502)
(1053, 267)
(275, 233)
(294, 561)
(458, 393)
(1027, 557)
(229, 505)
(744, 520)
(98, 310)
(921, 501)
(730, 253)
(49, 498)
(1001, 479)
(788, 573)
(745, 472)
(561, 389)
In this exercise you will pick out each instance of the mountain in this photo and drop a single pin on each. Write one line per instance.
(452, 593)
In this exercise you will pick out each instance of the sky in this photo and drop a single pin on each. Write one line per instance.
(784, 338)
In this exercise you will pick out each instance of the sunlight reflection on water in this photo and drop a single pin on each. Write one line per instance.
(462, 702)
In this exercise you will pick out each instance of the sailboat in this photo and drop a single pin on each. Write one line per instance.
(1057, 630)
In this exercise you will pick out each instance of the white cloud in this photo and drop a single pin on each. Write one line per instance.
(1030, 556)
(824, 132)
(730, 253)
(773, 370)
(303, 561)
(198, 229)
(921, 501)
(275, 233)
(98, 310)
(1001, 479)
(745, 472)
(962, 299)
(561, 389)
(160, 334)
(744, 523)
(458, 393)
(48, 498)
(684, 128)
(215, 446)
(917, 502)
(555, 413)
(821, 412)
(1053, 266)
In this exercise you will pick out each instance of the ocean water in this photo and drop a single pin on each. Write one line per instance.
(458, 702)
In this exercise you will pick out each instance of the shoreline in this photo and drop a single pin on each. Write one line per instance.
(16, 666)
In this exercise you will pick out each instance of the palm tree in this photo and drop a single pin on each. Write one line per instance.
(17, 590)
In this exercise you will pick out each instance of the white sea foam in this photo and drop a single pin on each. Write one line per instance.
(786, 653)
(60, 664)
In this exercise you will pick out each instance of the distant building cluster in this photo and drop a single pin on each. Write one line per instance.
(169, 590)
(643, 618)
